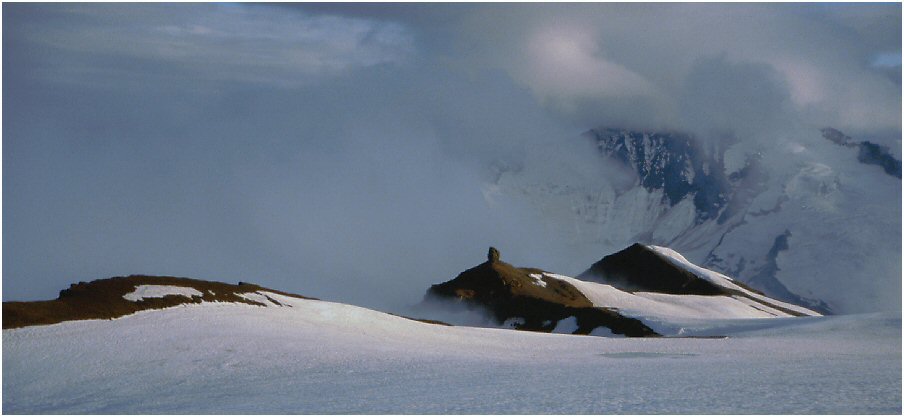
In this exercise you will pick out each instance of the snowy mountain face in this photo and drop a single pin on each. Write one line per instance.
(640, 291)
(671, 162)
(813, 220)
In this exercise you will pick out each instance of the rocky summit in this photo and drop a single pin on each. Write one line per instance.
(528, 300)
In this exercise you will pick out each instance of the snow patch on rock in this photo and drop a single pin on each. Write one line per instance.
(159, 291)
(538, 280)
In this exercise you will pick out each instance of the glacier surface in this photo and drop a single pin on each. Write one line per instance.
(307, 356)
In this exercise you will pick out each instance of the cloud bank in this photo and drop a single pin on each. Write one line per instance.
(339, 150)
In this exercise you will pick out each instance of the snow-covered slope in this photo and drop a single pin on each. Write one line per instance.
(665, 313)
(726, 282)
(309, 356)
(812, 219)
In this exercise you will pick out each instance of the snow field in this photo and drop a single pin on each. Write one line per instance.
(322, 357)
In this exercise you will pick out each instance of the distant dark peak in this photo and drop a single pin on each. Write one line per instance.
(835, 136)
(639, 268)
(868, 153)
(493, 255)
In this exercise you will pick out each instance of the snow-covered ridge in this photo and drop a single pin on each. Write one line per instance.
(679, 260)
(660, 311)
(724, 281)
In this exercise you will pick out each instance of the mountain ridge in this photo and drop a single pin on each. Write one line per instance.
(640, 284)
(634, 286)
(512, 293)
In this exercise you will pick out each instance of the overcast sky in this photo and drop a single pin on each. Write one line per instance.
(339, 150)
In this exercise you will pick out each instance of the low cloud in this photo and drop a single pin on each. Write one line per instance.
(741, 100)
(566, 63)
(631, 64)
(342, 150)
(221, 42)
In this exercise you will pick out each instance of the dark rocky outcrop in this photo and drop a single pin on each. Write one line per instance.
(509, 292)
(493, 255)
(639, 268)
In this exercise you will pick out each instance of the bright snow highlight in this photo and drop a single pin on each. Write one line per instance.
(159, 291)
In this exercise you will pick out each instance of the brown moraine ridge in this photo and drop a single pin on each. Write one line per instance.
(103, 299)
